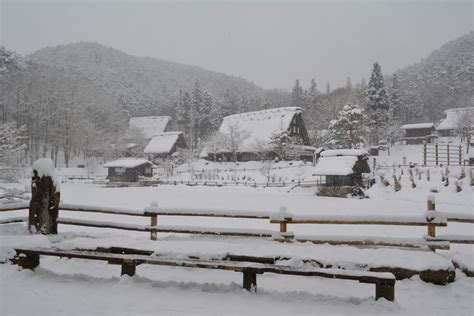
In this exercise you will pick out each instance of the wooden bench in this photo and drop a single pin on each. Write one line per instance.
(29, 258)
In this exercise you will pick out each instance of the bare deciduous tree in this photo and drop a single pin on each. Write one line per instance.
(234, 138)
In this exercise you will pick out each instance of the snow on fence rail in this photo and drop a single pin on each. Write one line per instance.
(431, 219)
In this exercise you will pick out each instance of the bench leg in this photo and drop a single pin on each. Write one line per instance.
(128, 268)
(385, 290)
(250, 281)
(28, 261)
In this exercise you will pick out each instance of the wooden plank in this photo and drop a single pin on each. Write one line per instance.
(191, 230)
(356, 222)
(266, 260)
(77, 222)
(14, 207)
(455, 239)
(362, 276)
(389, 242)
(385, 282)
(194, 213)
(163, 229)
(102, 211)
(461, 220)
(13, 220)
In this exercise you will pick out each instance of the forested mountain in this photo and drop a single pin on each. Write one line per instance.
(147, 86)
(441, 81)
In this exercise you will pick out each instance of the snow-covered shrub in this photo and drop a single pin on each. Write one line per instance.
(397, 184)
(458, 186)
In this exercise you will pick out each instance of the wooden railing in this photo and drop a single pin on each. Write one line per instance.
(431, 219)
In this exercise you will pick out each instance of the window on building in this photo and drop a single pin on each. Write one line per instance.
(119, 170)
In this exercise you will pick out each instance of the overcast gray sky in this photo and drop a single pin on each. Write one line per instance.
(268, 42)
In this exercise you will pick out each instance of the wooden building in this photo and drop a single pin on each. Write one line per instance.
(455, 120)
(418, 133)
(128, 169)
(262, 126)
(163, 145)
(340, 172)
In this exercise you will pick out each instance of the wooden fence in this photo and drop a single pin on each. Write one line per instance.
(297, 183)
(431, 220)
(446, 154)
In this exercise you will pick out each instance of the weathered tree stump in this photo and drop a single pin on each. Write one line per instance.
(44, 204)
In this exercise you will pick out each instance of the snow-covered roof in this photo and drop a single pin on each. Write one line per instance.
(454, 116)
(417, 125)
(260, 124)
(149, 125)
(162, 143)
(335, 165)
(126, 163)
(344, 152)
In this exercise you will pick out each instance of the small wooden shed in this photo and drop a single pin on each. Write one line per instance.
(418, 133)
(128, 169)
(340, 171)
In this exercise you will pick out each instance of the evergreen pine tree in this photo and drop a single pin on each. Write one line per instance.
(184, 112)
(393, 130)
(297, 95)
(215, 116)
(348, 83)
(377, 104)
(313, 92)
(205, 117)
(395, 106)
(196, 113)
(348, 129)
(229, 103)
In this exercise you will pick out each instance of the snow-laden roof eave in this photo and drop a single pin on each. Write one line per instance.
(127, 163)
(162, 143)
(417, 126)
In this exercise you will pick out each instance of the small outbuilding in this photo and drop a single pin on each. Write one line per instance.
(419, 133)
(128, 169)
(164, 145)
(340, 172)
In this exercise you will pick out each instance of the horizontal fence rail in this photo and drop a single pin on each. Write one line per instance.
(431, 219)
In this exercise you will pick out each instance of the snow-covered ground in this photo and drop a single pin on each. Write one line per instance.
(80, 287)
(61, 286)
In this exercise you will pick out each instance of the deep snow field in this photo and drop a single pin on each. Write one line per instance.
(78, 287)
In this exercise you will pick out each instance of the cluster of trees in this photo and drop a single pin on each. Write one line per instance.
(352, 116)
(59, 113)
(199, 115)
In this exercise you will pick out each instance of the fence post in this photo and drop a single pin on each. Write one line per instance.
(447, 147)
(460, 155)
(282, 227)
(431, 209)
(436, 153)
(154, 222)
(424, 154)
